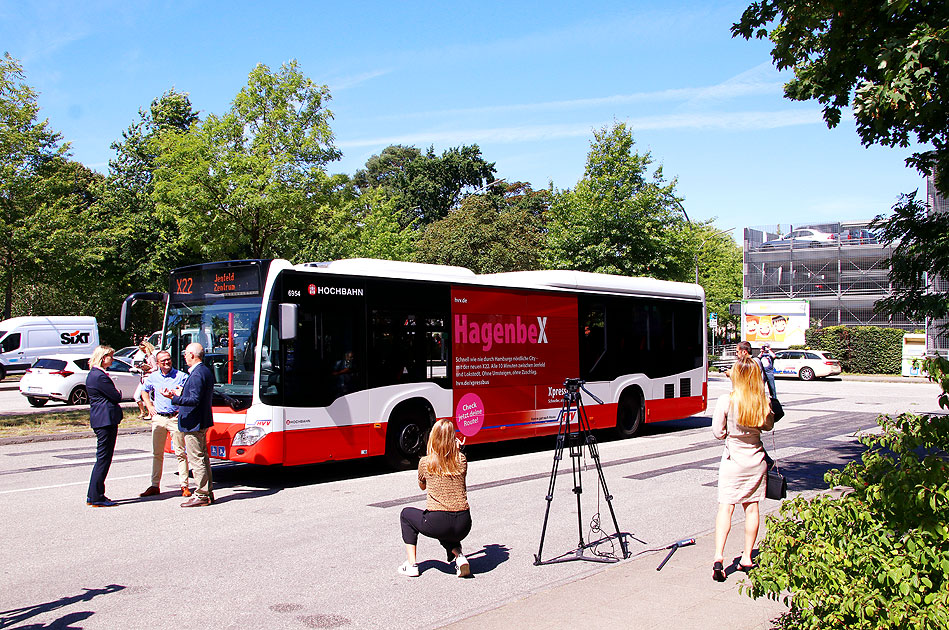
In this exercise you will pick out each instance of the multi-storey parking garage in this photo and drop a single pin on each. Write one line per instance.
(842, 269)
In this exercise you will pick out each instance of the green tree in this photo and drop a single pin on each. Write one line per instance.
(885, 59)
(720, 271)
(619, 219)
(426, 186)
(146, 243)
(490, 233)
(921, 254)
(26, 144)
(236, 182)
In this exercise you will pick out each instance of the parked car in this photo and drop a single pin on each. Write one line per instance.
(858, 237)
(805, 364)
(23, 340)
(804, 237)
(63, 377)
(127, 352)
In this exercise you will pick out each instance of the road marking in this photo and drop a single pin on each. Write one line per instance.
(66, 485)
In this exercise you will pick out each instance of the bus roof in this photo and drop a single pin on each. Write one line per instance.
(545, 279)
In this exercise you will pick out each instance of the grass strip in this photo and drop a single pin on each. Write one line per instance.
(49, 422)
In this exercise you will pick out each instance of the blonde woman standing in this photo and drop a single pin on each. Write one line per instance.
(739, 419)
(104, 418)
(441, 473)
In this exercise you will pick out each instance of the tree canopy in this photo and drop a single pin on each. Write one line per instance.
(886, 59)
(619, 218)
(27, 145)
(235, 182)
(425, 186)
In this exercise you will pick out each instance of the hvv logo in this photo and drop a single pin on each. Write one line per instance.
(73, 338)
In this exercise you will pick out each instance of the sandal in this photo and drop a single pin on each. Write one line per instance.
(746, 567)
(718, 572)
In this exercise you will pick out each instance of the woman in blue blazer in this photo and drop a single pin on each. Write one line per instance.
(104, 417)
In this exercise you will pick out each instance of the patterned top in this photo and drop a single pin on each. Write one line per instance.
(446, 493)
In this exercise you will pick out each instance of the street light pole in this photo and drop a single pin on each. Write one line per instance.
(699, 250)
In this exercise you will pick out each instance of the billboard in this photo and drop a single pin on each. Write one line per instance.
(780, 323)
(512, 351)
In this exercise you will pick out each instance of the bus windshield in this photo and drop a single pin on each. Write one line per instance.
(227, 328)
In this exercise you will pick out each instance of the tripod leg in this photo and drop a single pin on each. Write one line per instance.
(595, 454)
(558, 454)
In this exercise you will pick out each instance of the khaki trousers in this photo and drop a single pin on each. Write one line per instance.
(161, 427)
(196, 443)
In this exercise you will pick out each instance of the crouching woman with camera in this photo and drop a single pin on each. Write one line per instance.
(447, 518)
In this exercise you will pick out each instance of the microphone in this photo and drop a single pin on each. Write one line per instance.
(672, 549)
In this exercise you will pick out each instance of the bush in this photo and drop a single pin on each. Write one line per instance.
(876, 558)
(861, 349)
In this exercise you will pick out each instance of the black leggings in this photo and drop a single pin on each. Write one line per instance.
(450, 528)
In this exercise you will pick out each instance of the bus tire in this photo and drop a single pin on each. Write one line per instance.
(79, 396)
(407, 434)
(3, 373)
(629, 413)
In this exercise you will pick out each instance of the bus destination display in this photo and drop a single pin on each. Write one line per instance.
(229, 282)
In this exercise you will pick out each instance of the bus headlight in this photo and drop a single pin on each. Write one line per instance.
(248, 436)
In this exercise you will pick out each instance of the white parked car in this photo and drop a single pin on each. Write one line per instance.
(63, 377)
(804, 237)
(805, 364)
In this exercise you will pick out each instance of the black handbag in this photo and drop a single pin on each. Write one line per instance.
(777, 485)
(776, 409)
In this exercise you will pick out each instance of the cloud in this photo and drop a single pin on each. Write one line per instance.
(728, 121)
(343, 83)
(690, 95)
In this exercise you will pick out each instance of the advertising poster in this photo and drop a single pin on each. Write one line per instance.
(780, 323)
(512, 351)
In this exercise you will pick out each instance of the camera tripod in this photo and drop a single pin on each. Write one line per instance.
(575, 439)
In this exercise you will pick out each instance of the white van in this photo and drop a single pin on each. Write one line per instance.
(23, 340)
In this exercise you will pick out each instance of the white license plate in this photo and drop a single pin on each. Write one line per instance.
(34, 389)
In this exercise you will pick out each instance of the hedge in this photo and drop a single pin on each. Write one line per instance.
(861, 349)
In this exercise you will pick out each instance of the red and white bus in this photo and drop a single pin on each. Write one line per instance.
(357, 358)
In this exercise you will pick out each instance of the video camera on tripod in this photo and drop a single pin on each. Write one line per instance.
(576, 439)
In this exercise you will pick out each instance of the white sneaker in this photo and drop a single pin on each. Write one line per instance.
(462, 568)
(408, 570)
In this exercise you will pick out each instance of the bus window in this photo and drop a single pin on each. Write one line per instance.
(592, 322)
(325, 360)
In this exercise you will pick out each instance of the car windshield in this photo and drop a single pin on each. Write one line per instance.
(49, 364)
(227, 328)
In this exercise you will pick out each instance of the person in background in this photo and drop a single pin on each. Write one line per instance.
(739, 418)
(193, 400)
(146, 363)
(104, 418)
(164, 421)
(766, 358)
(447, 516)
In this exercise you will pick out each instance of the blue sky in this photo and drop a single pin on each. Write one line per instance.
(527, 81)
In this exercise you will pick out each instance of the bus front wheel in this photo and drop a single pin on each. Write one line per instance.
(629, 413)
(407, 436)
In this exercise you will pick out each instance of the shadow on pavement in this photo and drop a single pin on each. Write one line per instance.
(9, 618)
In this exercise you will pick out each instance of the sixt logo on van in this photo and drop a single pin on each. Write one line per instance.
(73, 338)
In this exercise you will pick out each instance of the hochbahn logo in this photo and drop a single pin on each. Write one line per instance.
(73, 338)
(511, 330)
(337, 291)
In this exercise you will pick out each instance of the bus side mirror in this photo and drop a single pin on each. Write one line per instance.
(287, 324)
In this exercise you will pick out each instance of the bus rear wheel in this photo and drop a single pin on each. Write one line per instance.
(629, 414)
(407, 436)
